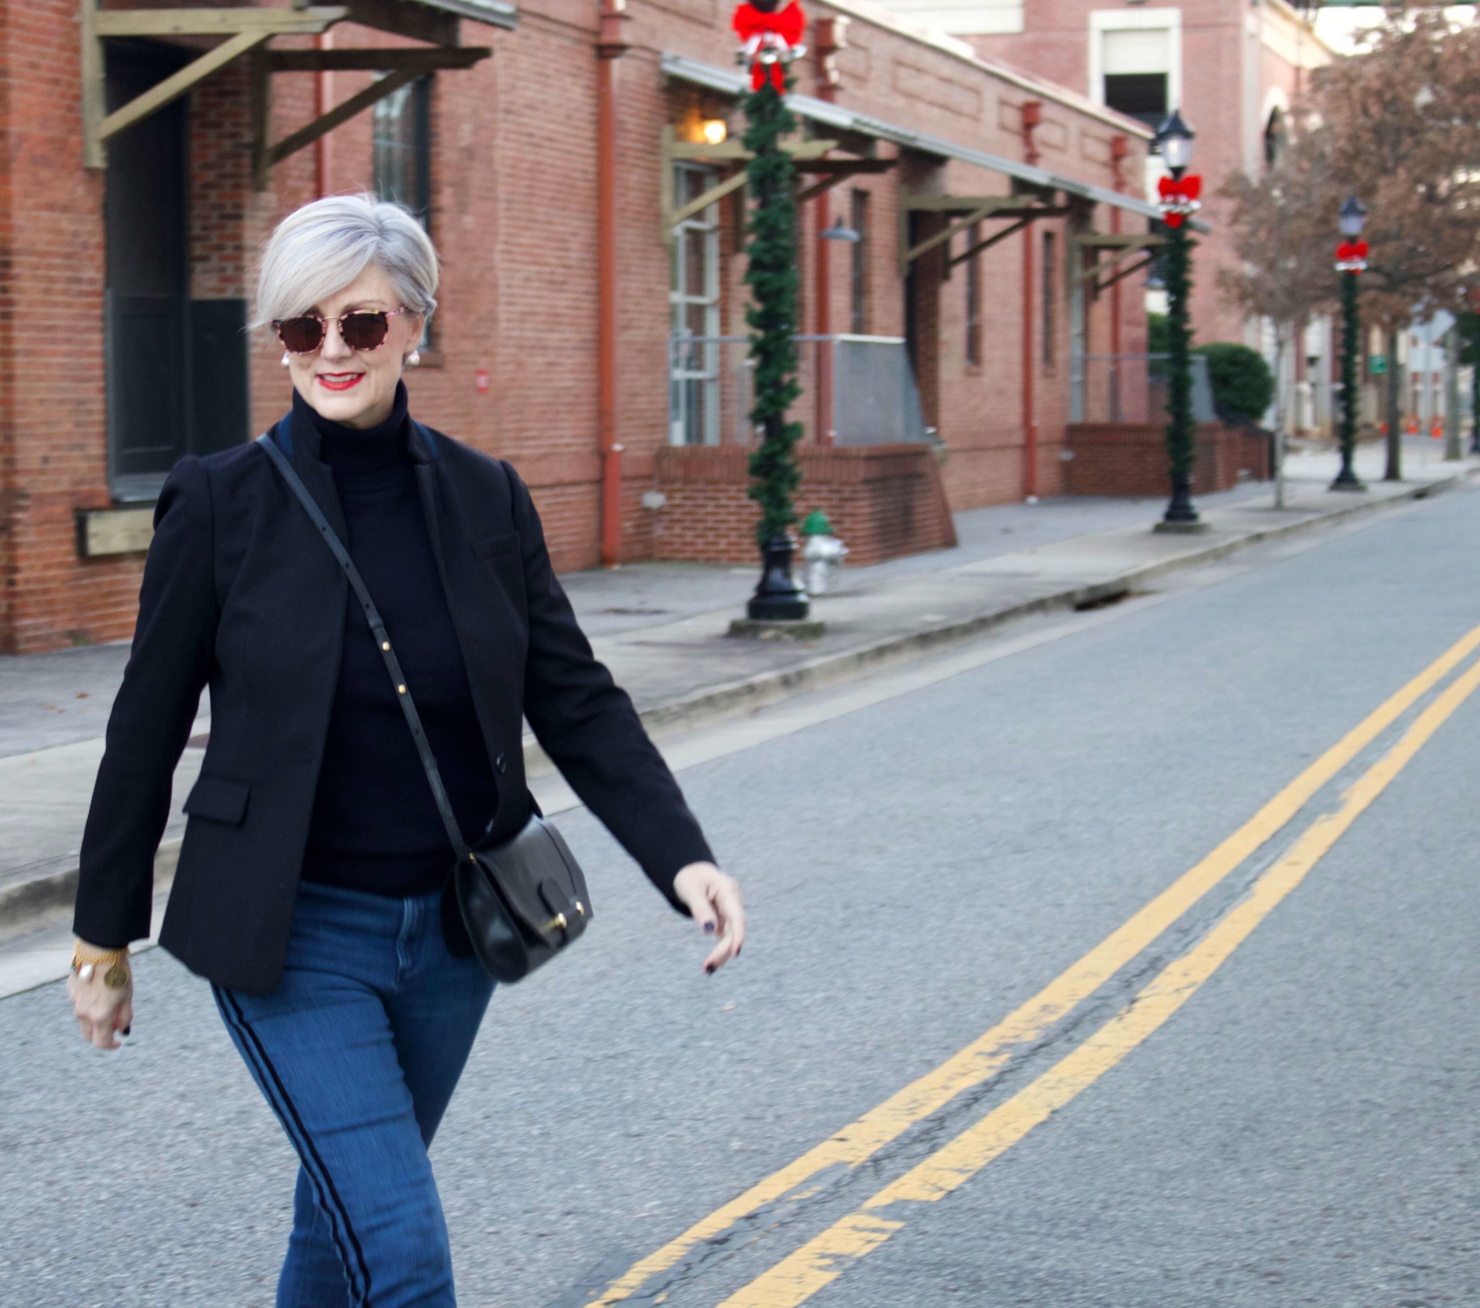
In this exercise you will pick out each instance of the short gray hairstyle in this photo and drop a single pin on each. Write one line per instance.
(322, 247)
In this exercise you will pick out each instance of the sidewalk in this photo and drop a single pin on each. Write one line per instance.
(662, 628)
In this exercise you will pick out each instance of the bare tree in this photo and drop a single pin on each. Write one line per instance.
(1398, 125)
(1282, 223)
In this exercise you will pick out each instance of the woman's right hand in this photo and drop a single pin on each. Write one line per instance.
(102, 1010)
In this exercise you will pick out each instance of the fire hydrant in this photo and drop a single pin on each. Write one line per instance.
(823, 551)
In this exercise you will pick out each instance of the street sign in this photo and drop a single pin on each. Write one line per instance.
(1377, 364)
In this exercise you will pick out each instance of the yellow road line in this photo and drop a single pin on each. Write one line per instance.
(861, 1139)
(822, 1260)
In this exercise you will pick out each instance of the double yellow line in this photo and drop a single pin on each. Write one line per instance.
(821, 1260)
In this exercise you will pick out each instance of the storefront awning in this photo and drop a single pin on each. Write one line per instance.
(247, 29)
(734, 82)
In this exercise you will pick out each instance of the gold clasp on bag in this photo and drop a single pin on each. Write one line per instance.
(559, 922)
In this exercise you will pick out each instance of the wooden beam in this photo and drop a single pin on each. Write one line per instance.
(832, 176)
(1128, 246)
(426, 59)
(711, 196)
(734, 151)
(1119, 240)
(991, 240)
(913, 201)
(260, 105)
(216, 22)
(341, 113)
(945, 234)
(94, 98)
(177, 84)
(1125, 272)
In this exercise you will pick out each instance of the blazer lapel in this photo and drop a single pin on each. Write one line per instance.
(486, 646)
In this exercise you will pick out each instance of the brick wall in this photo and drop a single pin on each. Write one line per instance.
(513, 178)
(884, 501)
(1131, 458)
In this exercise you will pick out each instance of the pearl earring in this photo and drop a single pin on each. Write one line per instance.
(413, 359)
(286, 359)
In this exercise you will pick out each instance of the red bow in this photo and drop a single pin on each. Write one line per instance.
(1180, 188)
(1352, 252)
(753, 27)
(1179, 197)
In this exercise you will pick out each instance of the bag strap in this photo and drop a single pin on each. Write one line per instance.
(382, 639)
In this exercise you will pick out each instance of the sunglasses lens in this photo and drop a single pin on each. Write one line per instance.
(301, 335)
(364, 331)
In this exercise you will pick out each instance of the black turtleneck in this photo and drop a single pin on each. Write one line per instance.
(375, 826)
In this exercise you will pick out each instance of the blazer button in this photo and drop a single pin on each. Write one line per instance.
(501, 764)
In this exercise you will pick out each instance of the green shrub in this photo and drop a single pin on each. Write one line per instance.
(1243, 385)
(1158, 334)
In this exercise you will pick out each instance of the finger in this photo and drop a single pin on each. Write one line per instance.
(704, 913)
(124, 1018)
(102, 1035)
(733, 908)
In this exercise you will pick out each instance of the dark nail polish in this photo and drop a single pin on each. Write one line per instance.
(709, 969)
(709, 928)
(126, 1030)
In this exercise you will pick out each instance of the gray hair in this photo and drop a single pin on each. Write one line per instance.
(322, 247)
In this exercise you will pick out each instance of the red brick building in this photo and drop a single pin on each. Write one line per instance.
(589, 305)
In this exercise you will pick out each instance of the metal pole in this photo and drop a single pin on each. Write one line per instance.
(1347, 479)
(1180, 514)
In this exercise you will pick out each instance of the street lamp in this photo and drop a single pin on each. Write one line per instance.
(1179, 192)
(1351, 258)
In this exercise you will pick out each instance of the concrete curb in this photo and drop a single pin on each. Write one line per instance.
(749, 693)
(55, 889)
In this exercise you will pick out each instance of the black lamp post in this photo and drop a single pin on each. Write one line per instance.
(1351, 258)
(1178, 200)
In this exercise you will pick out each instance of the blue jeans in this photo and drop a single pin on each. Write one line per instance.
(358, 1051)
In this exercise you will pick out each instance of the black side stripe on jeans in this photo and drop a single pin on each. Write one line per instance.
(282, 1106)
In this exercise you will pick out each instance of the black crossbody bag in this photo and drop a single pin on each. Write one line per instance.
(523, 900)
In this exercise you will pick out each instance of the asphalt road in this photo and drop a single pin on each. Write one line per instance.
(1299, 1130)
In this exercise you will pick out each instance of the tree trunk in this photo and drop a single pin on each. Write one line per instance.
(1394, 471)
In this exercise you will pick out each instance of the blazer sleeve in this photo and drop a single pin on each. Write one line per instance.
(590, 729)
(168, 667)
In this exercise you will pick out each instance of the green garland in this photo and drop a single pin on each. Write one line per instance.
(772, 314)
(1348, 428)
(1178, 279)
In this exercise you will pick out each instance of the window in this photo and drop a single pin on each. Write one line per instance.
(1050, 324)
(1135, 70)
(974, 297)
(401, 141)
(693, 297)
(858, 297)
(1275, 138)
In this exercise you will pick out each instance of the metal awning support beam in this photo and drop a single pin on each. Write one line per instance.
(244, 30)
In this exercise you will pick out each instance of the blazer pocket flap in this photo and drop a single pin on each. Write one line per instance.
(218, 798)
(497, 547)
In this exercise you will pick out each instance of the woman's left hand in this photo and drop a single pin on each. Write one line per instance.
(714, 900)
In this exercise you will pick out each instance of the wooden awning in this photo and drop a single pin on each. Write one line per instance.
(247, 30)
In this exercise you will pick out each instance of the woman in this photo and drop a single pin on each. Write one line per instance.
(312, 887)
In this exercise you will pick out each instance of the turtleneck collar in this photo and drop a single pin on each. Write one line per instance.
(353, 449)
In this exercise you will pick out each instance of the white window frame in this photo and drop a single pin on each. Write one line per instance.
(1135, 20)
(703, 226)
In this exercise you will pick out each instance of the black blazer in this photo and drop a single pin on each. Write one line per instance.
(240, 594)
